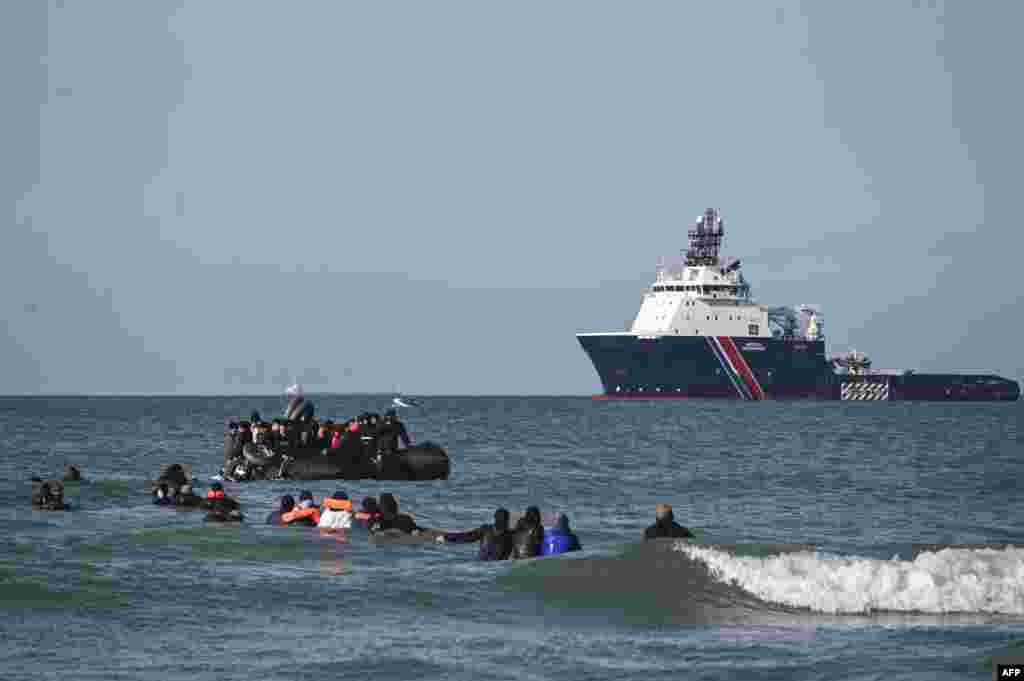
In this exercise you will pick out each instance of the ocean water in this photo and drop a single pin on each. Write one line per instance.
(805, 566)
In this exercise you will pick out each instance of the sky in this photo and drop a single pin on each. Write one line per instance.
(434, 198)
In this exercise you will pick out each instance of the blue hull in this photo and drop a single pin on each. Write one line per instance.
(631, 366)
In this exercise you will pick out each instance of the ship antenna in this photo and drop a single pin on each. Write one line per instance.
(705, 239)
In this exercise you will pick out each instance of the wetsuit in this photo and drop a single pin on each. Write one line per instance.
(666, 527)
(495, 544)
(389, 434)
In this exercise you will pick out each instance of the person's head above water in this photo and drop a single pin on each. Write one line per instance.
(369, 505)
(287, 503)
(532, 516)
(339, 494)
(561, 523)
(663, 512)
(501, 519)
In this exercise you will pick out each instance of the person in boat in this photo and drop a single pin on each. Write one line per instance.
(391, 519)
(665, 525)
(184, 498)
(162, 496)
(305, 513)
(298, 407)
(496, 541)
(336, 512)
(529, 535)
(286, 505)
(390, 432)
(559, 538)
(369, 512)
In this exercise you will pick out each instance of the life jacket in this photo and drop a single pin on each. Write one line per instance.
(556, 542)
(338, 504)
(336, 514)
(215, 495)
(299, 514)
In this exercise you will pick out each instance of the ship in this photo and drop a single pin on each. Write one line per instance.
(700, 333)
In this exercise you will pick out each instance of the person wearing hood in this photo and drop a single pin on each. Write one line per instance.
(560, 538)
(665, 525)
(391, 519)
(287, 504)
(336, 512)
(390, 432)
(184, 498)
(529, 535)
(496, 541)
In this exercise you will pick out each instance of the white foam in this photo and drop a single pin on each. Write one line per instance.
(949, 581)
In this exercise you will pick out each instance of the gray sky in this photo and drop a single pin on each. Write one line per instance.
(208, 197)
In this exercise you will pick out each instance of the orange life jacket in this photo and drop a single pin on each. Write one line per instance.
(338, 504)
(300, 513)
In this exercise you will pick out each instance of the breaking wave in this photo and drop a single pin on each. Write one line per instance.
(945, 581)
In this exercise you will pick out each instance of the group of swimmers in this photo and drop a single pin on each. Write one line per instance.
(218, 505)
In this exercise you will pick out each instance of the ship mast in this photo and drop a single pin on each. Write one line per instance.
(705, 239)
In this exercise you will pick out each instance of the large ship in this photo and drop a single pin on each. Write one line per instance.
(700, 333)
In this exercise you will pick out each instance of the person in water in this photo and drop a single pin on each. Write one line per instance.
(496, 541)
(305, 512)
(184, 497)
(559, 538)
(162, 496)
(391, 519)
(529, 535)
(218, 501)
(49, 496)
(287, 505)
(336, 512)
(369, 512)
(665, 525)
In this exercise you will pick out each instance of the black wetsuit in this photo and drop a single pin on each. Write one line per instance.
(495, 544)
(188, 500)
(666, 527)
(400, 521)
(389, 434)
(527, 541)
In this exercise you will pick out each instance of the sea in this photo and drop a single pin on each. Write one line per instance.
(834, 540)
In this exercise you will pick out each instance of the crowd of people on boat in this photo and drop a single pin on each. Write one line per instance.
(359, 440)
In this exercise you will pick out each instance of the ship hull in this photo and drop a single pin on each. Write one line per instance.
(752, 368)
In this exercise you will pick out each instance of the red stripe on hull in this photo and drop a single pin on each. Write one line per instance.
(742, 367)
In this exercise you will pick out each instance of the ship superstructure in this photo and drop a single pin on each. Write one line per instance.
(700, 333)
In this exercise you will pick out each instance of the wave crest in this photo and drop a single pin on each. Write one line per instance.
(946, 581)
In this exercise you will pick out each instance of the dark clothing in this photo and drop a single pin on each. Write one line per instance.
(224, 505)
(188, 500)
(400, 522)
(389, 433)
(495, 544)
(527, 541)
(666, 527)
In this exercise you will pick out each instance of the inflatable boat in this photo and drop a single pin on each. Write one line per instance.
(427, 461)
